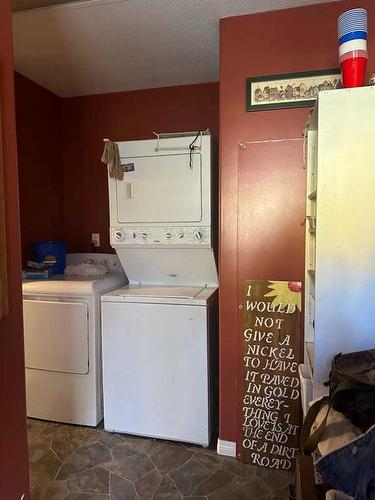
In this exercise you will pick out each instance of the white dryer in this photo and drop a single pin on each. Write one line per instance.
(63, 343)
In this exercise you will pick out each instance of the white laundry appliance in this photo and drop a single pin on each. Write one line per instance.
(63, 342)
(160, 332)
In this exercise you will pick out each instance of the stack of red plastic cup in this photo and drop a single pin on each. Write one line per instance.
(352, 32)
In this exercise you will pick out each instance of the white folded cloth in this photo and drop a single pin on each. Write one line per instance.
(86, 269)
(337, 495)
(339, 431)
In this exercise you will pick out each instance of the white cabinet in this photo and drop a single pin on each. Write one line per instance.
(340, 235)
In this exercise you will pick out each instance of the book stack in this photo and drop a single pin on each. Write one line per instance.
(36, 271)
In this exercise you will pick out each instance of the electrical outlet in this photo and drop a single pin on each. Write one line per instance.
(95, 239)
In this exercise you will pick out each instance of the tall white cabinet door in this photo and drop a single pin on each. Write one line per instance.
(155, 370)
(345, 239)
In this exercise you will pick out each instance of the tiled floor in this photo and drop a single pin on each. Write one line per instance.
(81, 463)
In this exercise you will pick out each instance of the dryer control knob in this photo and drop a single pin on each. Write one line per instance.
(144, 236)
(198, 235)
(168, 236)
(118, 235)
(180, 235)
(133, 235)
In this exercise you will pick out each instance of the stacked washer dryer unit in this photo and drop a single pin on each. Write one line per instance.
(63, 344)
(160, 332)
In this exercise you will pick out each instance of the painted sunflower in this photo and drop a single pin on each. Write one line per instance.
(285, 293)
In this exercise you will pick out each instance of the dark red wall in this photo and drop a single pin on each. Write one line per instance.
(272, 246)
(122, 116)
(63, 184)
(13, 448)
(40, 163)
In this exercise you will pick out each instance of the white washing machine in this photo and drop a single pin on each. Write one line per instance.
(63, 343)
(160, 332)
(160, 361)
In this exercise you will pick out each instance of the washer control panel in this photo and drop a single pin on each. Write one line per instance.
(161, 236)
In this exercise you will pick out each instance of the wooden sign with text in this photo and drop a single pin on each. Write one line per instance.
(271, 354)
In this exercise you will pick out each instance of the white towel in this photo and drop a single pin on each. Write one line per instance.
(86, 269)
(339, 431)
(337, 495)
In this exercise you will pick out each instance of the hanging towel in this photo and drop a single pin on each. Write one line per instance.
(111, 156)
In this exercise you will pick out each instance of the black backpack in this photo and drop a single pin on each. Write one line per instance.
(351, 392)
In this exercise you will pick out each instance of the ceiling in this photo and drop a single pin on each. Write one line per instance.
(103, 46)
(31, 4)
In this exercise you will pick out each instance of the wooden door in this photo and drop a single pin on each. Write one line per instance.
(270, 227)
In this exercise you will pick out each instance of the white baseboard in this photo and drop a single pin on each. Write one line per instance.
(227, 448)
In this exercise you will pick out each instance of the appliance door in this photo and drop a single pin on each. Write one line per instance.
(161, 189)
(155, 370)
(56, 336)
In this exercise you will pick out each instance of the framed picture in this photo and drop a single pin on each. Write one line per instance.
(290, 90)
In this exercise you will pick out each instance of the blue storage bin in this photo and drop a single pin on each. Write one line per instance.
(51, 253)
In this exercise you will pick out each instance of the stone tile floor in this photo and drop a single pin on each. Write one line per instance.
(82, 463)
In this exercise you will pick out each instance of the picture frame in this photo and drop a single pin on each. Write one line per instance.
(289, 90)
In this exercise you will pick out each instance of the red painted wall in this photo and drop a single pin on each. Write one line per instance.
(273, 248)
(13, 449)
(40, 162)
(122, 116)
